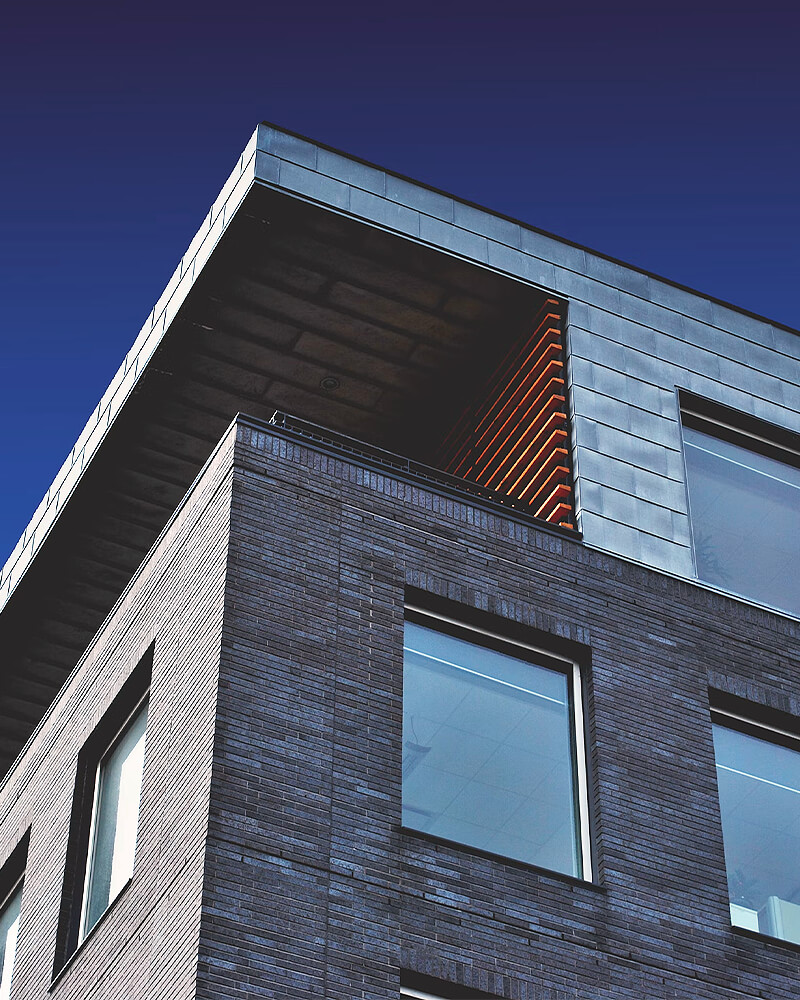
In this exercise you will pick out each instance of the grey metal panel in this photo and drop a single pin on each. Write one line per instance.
(385, 213)
(669, 556)
(287, 147)
(740, 323)
(621, 386)
(632, 479)
(478, 221)
(620, 357)
(625, 416)
(596, 349)
(621, 539)
(741, 399)
(747, 352)
(578, 286)
(268, 168)
(452, 238)
(521, 265)
(684, 355)
(618, 276)
(577, 315)
(603, 533)
(752, 381)
(360, 175)
(681, 300)
(629, 448)
(636, 512)
(413, 196)
(637, 321)
(315, 185)
(561, 254)
(786, 341)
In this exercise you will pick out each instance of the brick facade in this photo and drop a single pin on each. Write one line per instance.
(313, 888)
(271, 860)
(146, 944)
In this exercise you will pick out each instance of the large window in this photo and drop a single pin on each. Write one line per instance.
(758, 771)
(115, 820)
(9, 923)
(744, 496)
(492, 745)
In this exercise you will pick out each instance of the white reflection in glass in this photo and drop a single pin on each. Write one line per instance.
(115, 821)
(487, 751)
(759, 793)
(745, 520)
(9, 925)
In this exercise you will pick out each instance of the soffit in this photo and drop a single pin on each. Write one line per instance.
(292, 296)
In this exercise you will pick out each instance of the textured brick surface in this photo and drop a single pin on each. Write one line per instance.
(271, 860)
(146, 944)
(312, 887)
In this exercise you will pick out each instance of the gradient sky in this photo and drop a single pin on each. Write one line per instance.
(664, 134)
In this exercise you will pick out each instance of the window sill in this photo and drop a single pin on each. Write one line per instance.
(74, 956)
(766, 938)
(430, 838)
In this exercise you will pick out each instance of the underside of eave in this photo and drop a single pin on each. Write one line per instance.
(299, 310)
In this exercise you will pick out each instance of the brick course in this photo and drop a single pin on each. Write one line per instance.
(271, 860)
(338, 898)
(146, 944)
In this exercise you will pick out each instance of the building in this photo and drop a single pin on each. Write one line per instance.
(462, 665)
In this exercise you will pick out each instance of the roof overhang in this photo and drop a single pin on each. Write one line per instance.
(339, 299)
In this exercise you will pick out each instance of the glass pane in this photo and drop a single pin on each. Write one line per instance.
(9, 924)
(487, 751)
(116, 820)
(745, 520)
(759, 793)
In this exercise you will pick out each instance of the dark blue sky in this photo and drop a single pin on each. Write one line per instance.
(665, 134)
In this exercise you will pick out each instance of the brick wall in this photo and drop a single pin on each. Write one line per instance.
(146, 944)
(312, 889)
(271, 861)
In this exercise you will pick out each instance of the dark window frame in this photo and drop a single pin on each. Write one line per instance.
(752, 434)
(564, 656)
(97, 746)
(739, 428)
(769, 725)
(12, 880)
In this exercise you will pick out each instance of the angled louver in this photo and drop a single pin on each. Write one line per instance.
(515, 440)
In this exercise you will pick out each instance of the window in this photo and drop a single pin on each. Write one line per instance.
(492, 745)
(104, 826)
(758, 771)
(744, 495)
(9, 923)
(12, 876)
(115, 820)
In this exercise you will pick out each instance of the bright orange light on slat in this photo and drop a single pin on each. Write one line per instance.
(514, 441)
(506, 457)
(552, 442)
(526, 405)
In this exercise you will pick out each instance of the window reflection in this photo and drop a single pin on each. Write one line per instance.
(9, 925)
(745, 510)
(759, 792)
(115, 820)
(488, 750)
